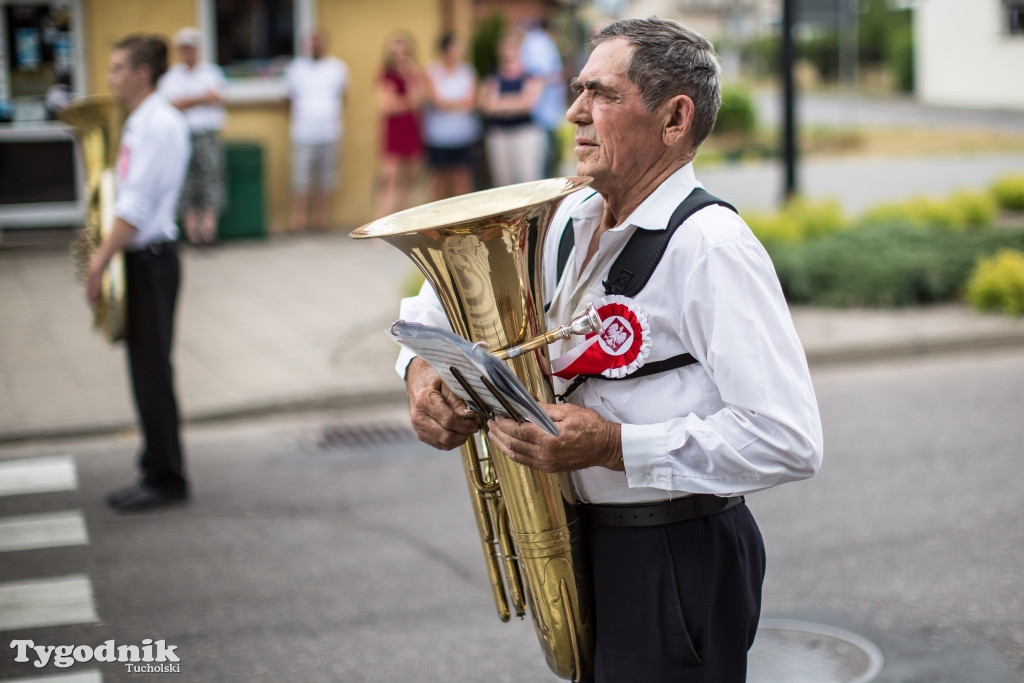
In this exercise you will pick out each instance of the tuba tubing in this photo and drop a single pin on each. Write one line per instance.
(97, 121)
(482, 254)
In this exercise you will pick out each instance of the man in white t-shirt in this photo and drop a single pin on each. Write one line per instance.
(195, 88)
(317, 83)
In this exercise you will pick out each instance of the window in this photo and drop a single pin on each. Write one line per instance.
(253, 40)
(40, 57)
(1013, 13)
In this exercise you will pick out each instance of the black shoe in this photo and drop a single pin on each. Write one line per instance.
(142, 497)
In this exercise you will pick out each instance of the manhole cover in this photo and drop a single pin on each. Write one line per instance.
(790, 651)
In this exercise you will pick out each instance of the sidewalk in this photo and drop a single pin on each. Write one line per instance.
(298, 323)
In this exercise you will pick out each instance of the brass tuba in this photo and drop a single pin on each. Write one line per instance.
(97, 121)
(482, 253)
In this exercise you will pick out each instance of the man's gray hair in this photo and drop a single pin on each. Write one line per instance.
(669, 59)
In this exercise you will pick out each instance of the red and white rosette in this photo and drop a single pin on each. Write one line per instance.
(619, 349)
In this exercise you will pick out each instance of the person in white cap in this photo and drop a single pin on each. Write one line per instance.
(195, 87)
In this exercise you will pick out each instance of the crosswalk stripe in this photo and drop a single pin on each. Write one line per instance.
(77, 677)
(38, 475)
(46, 602)
(44, 530)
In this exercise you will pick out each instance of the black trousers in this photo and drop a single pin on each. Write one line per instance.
(152, 278)
(677, 602)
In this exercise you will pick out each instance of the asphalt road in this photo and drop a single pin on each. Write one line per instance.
(316, 551)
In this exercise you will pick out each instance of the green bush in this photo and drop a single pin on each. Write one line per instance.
(1008, 192)
(964, 211)
(412, 283)
(738, 114)
(485, 42)
(899, 53)
(997, 283)
(799, 220)
(884, 265)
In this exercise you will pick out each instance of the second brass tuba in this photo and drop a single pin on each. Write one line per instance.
(98, 121)
(482, 254)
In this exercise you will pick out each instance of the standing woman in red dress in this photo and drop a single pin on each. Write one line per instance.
(400, 93)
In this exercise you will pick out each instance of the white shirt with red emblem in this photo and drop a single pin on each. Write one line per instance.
(741, 419)
(151, 163)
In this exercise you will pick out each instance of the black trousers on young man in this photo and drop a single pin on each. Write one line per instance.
(676, 602)
(152, 277)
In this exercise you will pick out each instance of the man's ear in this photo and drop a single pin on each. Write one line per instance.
(678, 119)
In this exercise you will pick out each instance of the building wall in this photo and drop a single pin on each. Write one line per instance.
(964, 57)
(358, 31)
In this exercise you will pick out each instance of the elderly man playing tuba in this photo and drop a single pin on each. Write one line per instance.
(700, 394)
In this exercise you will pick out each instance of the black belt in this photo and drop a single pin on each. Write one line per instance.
(653, 514)
(152, 248)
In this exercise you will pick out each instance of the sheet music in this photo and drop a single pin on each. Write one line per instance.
(473, 373)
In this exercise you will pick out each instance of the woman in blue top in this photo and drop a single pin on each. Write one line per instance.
(515, 144)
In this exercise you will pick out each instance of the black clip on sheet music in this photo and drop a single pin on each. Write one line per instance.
(473, 373)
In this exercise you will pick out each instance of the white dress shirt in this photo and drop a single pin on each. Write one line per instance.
(316, 88)
(181, 81)
(151, 163)
(745, 416)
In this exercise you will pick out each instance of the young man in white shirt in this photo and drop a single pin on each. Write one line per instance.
(317, 84)
(150, 168)
(660, 463)
(195, 87)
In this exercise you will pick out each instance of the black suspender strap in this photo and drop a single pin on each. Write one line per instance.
(633, 268)
(565, 245)
(644, 249)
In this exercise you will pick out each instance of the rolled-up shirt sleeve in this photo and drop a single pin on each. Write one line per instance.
(424, 308)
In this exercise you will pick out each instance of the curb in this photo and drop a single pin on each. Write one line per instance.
(913, 348)
(347, 400)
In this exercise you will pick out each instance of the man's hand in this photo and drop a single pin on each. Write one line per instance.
(121, 235)
(584, 440)
(439, 417)
(94, 277)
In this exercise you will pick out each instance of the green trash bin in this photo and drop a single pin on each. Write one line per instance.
(243, 216)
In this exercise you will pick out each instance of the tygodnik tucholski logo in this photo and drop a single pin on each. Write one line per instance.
(148, 657)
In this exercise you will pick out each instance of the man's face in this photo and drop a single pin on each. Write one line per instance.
(188, 54)
(617, 139)
(123, 79)
(316, 46)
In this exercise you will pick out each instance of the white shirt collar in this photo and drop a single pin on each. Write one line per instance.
(147, 103)
(651, 213)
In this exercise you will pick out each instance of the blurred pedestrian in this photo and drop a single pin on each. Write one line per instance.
(196, 87)
(401, 89)
(151, 165)
(59, 94)
(515, 144)
(541, 58)
(451, 126)
(317, 86)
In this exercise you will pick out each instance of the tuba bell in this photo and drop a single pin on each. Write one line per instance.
(482, 254)
(98, 121)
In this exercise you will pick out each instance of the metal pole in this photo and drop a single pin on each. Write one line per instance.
(789, 96)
